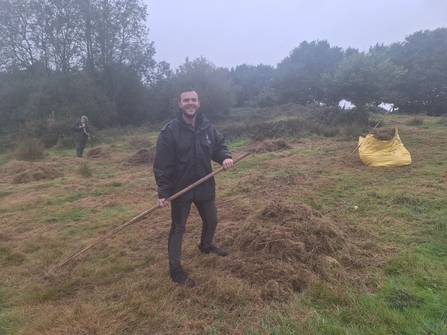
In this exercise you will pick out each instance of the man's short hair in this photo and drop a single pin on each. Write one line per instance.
(187, 89)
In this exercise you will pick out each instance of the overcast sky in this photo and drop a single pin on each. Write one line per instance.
(233, 32)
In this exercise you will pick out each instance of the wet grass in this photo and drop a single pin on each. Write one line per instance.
(122, 286)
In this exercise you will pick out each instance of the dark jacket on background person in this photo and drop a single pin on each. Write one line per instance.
(184, 156)
(78, 132)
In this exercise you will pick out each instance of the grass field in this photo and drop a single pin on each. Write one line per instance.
(318, 244)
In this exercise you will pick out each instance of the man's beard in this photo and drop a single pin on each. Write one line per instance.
(187, 115)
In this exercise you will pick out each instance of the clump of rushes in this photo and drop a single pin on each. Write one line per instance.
(416, 121)
(85, 170)
(28, 149)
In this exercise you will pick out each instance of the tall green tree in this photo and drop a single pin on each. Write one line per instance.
(366, 78)
(161, 91)
(250, 80)
(106, 39)
(298, 76)
(120, 41)
(67, 35)
(59, 42)
(424, 85)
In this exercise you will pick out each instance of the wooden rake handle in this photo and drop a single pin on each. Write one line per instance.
(143, 215)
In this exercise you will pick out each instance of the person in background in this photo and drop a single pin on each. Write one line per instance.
(81, 134)
(184, 150)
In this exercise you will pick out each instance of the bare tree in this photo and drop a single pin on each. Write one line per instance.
(70, 35)
(18, 35)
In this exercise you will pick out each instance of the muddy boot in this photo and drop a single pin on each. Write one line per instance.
(180, 277)
(213, 249)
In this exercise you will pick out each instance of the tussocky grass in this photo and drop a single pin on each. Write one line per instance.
(122, 285)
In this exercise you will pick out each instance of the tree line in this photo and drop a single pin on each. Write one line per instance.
(94, 57)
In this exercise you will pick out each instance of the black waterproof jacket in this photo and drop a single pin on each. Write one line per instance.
(184, 156)
(78, 132)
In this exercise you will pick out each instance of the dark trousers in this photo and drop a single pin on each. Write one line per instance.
(179, 213)
(80, 146)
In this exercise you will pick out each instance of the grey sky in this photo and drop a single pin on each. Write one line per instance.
(232, 32)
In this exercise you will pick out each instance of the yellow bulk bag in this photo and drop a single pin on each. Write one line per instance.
(374, 152)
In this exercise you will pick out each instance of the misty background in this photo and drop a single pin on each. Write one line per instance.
(123, 62)
(233, 32)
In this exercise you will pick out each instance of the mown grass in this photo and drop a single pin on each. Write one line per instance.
(122, 286)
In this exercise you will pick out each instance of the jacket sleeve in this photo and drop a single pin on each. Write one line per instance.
(76, 126)
(164, 164)
(220, 152)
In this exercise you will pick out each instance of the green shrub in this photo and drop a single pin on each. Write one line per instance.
(330, 132)
(4, 144)
(48, 131)
(85, 170)
(28, 149)
(267, 97)
(416, 121)
(353, 130)
(443, 120)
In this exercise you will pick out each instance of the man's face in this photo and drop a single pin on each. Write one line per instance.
(189, 104)
(83, 120)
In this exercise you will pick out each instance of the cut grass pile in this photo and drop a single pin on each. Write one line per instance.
(318, 244)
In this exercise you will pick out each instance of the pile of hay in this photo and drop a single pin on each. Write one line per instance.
(286, 247)
(272, 145)
(383, 134)
(98, 153)
(39, 172)
(142, 156)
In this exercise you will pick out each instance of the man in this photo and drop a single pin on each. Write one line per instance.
(81, 134)
(185, 148)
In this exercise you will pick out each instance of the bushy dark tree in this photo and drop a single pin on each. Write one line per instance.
(365, 78)
(67, 36)
(29, 97)
(267, 97)
(250, 80)
(332, 92)
(424, 85)
(106, 39)
(130, 97)
(120, 45)
(298, 76)
(161, 106)
(87, 98)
